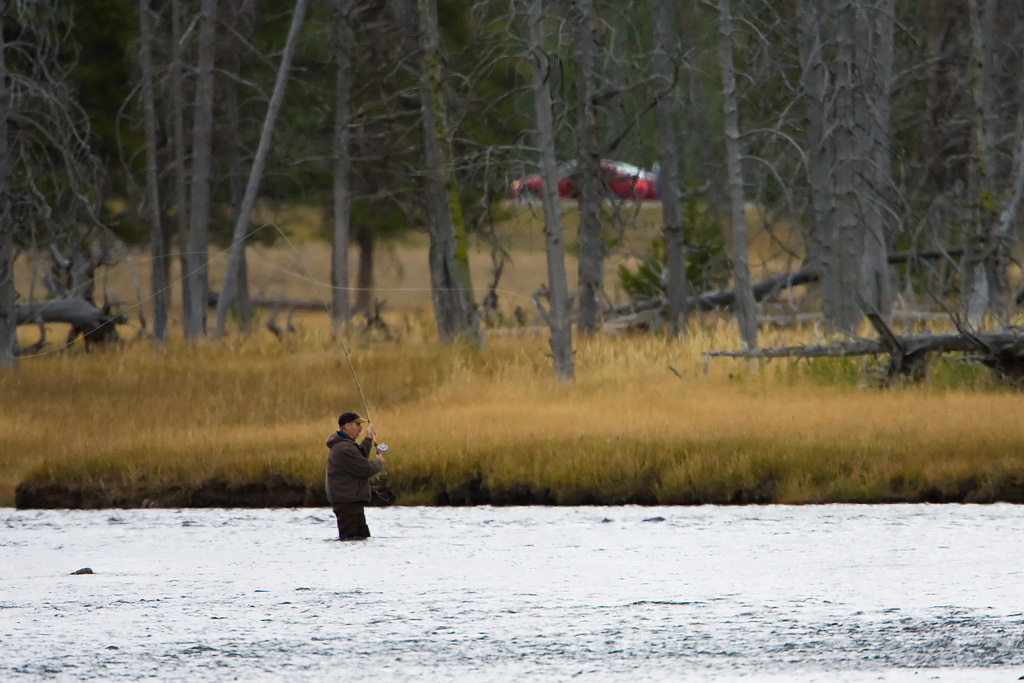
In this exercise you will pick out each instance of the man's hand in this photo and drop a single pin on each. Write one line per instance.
(370, 430)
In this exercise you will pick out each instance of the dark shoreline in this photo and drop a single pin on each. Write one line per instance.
(280, 492)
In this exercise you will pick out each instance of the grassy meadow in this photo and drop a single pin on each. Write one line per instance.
(646, 420)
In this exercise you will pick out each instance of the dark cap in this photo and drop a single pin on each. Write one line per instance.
(348, 417)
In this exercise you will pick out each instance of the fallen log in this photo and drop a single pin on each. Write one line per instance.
(988, 342)
(1002, 352)
(78, 312)
(762, 289)
(772, 286)
(804, 319)
(95, 325)
(720, 298)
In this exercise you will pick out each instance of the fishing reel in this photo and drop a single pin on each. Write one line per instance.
(382, 448)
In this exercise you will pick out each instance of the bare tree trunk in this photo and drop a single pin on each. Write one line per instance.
(821, 234)
(49, 178)
(746, 313)
(977, 293)
(589, 182)
(558, 290)
(1002, 235)
(8, 296)
(875, 56)
(157, 240)
(256, 173)
(364, 270)
(849, 227)
(241, 20)
(933, 23)
(449, 272)
(699, 152)
(344, 42)
(677, 288)
(202, 145)
(180, 165)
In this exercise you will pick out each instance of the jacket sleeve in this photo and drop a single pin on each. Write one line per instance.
(354, 464)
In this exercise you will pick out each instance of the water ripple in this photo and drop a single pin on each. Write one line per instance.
(831, 593)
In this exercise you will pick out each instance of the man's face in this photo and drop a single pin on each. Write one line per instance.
(352, 428)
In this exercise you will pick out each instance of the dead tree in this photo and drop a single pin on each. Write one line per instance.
(343, 39)
(158, 243)
(907, 354)
(677, 286)
(196, 274)
(589, 177)
(241, 17)
(43, 135)
(744, 308)
(874, 58)
(8, 294)
(229, 287)
(558, 293)
(489, 313)
(769, 288)
(177, 126)
(95, 325)
(449, 265)
(821, 233)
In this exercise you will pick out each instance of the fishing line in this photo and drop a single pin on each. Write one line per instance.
(226, 250)
(334, 325)
(152, 296)
(308, 277)
(380, 447)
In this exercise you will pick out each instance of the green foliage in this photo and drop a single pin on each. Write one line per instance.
(127, 226)
(948, 373)
(383, 219)
(102, 77)
(705, 258)
(645, 281)
(832, 371)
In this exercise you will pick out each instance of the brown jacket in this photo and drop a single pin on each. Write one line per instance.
(349, 469)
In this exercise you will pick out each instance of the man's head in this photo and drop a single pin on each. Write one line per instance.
(349, 417)
(351, 424)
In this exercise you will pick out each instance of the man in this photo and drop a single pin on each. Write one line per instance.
(348, 475)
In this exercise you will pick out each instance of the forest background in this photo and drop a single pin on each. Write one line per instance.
(176, 172)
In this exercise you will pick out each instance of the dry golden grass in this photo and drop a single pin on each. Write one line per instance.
(460, 419)
(297, 266)
(494, 418)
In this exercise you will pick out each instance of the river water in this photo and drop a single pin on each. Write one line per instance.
(773, 593)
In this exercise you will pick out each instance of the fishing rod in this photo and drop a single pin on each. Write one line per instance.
(380, 447)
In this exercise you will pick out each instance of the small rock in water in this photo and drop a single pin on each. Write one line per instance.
(655, 519)
(606, 521)
(83, 570)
